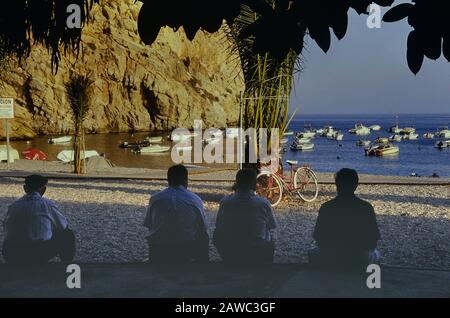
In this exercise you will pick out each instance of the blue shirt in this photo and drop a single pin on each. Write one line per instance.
(175, 214)
(246, 214)
(33, 217)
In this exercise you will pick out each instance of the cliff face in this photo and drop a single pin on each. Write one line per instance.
(137, 87)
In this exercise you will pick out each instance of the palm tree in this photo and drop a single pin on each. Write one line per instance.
(78, 90)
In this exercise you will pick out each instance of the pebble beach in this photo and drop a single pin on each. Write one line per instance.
(107, 216)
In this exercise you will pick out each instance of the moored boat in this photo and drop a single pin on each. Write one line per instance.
(443, 144)
(382, 150)
(68, 155)
(395, 138)
(375, 127)
(154, 140)
(135, 144)
(381, 140)
(60, 140)
(360, 130)
(443, 132)
(153, 149)
(302, 147)
(363, 143)
(410, 136)
(428, 136)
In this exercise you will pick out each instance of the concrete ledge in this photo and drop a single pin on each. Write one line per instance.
(214, 280)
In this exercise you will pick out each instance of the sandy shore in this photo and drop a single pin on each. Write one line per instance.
(107, 216)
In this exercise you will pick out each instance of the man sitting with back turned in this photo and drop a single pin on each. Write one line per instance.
(244, 224)
(176, 220)
(36, 231)
(346, 231)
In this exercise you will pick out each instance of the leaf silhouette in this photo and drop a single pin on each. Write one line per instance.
(398, 13)
(415, 54)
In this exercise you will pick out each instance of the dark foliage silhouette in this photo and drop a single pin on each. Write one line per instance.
(431, 34)
(26, 22)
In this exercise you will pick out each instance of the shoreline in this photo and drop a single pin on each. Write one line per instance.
(60, 170)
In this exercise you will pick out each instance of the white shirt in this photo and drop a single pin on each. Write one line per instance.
(175, 214)
(34, 217)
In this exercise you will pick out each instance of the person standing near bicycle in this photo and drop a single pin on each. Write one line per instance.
(346, 231)
(244, 225)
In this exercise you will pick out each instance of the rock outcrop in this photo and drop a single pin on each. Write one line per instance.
(136, 87)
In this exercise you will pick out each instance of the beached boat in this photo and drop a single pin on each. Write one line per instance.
(382, 150)
(363, 143)
(60, 140)
(302, 147)
(13, 154)
(68, 155)
(154, 140)
(443, 144)
(153, 149)
(428, 136)
(360, 130)
(375, 127)
(443, 132)
(395, 138)
(381, 140)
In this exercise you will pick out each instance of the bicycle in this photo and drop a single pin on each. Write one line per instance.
(302, 180)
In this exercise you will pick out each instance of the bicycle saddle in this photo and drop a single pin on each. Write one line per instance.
(292, 162)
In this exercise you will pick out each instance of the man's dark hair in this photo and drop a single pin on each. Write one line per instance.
(346, 181)
(35, 183)
(246, 179)
(177, 175)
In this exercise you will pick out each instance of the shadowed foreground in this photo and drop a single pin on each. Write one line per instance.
(142, 280)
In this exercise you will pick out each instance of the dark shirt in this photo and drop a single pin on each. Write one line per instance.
(244, 217)
(346, 225)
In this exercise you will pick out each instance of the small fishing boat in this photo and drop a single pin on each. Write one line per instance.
(60, 140)
(395, 138)
(395, 129)
(338, 136)
(375, 127)
(382, 150)
(68, 155)
(407, 131)
(302, 141)
(443, 132)
(327, 131)
(154, 140)
(136, 144)
(410, 136)
(428, 136)
(302, 147)
(13, 154)
(319, 131)
(152, 149)
(363, 143)
(443, 144)
(381, 140)
(360, 130)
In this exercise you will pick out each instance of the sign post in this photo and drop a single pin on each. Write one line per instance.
(7, 113)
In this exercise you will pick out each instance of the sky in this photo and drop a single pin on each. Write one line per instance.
(367, 73)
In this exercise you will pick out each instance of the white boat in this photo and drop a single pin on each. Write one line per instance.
(153, 149)
(327, 131)
(407, 131)
(410, 136)
(302, 141)
(428, 136)
(396, 138)
(338, 136)
(443, 132)
(363, 143)
(283, 141)
(395, 129)
(381, 140)
(360, 130)
(306, 134)
(383, 150)
(443, 144)
(375, 127)
(13, 154)
(68, 155)
(154, 140)
(60, 140)
(302, 147)
(288, 133)
(319, 131)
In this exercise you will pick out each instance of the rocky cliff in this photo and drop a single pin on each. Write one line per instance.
(137, 87)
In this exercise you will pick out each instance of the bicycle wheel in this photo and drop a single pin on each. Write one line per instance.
(306, 185)
(268, 186)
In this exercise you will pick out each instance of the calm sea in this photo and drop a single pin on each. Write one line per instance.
(329, 156)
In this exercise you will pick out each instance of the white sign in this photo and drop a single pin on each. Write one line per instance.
(6, 108)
